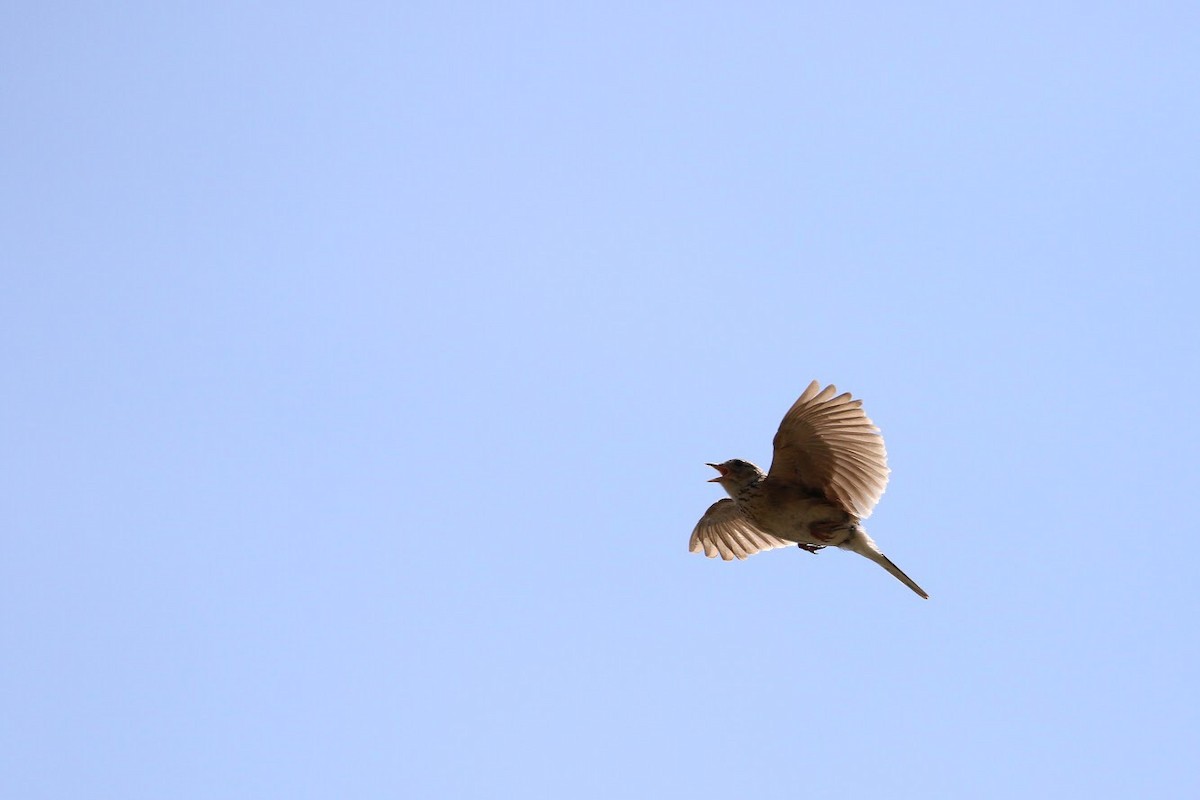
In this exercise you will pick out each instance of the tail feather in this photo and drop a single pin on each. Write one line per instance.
(886, 563)
(862, 544)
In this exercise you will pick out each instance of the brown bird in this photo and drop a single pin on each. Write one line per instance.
(828, 472)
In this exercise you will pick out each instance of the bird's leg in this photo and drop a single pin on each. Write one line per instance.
(810, 548)
(825, 530)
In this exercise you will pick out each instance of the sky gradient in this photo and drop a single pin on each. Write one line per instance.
(362, 362)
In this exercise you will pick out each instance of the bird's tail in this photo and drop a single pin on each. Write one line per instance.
(862, 544)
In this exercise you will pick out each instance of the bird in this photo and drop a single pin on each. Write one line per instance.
(828, 471)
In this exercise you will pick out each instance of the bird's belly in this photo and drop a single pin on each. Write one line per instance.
(805, 521)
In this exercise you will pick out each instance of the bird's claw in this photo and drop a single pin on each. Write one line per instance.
(810, 548)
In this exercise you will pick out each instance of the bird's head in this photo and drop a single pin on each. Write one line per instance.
(736, 475)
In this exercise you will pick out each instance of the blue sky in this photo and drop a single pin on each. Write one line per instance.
(363, 360)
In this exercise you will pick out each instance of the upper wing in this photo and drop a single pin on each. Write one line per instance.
(724, 530)
(827, 443)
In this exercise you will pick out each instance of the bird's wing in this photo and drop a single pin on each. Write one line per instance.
(725, 531)
(827, 443)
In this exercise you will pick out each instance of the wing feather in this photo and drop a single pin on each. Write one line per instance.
(827, 443)
(725, 531)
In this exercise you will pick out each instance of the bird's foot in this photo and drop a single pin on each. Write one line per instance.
(810, 548)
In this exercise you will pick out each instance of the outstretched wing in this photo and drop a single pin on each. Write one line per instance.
(828, 444)
(725, 531)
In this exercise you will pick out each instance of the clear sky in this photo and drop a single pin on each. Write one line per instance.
(361, 361)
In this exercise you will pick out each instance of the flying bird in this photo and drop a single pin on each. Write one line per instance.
(828, 472)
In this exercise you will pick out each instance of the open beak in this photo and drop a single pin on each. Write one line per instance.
(719, 469)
